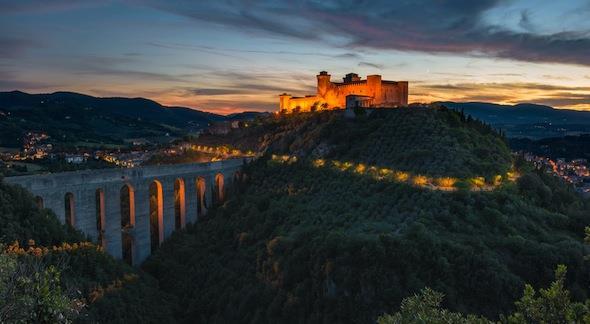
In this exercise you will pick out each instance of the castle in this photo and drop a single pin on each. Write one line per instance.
(352, 92)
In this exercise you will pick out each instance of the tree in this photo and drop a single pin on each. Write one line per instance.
(30, 292)
(425, 308)
(551, 305)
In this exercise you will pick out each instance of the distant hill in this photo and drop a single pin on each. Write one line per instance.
(73, 118)
(527, 120)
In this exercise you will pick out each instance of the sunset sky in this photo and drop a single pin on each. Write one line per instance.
(228, 56)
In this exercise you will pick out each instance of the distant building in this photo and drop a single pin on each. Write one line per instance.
(352, 92)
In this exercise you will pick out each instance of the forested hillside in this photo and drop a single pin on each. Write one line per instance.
(306, 242)
(320, 229)
(421, 139)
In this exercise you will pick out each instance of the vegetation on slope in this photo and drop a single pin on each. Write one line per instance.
(432, 141)
(301, 243)
(547, 305)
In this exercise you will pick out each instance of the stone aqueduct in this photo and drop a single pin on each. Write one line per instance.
(131, 211)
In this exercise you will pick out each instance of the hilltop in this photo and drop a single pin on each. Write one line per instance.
(305, 239)
(84, 120)
(423, 140)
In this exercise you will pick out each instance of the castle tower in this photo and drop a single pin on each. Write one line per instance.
(374, 88)
(284, 103)
(323, 84)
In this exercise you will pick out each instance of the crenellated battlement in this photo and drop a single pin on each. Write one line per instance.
(372, 92)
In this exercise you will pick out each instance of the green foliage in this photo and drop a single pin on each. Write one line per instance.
(312, 244)
(426, 308)
(317, 245)
(430, 141)
(550, 305)
(21, 220)
(31, 292)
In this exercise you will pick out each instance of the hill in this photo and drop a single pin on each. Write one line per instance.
(305, 239)
(85, 120)
(421, 140)
(527, 120)
(567, 147)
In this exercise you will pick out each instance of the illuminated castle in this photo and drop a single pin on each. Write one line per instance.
(352, 92)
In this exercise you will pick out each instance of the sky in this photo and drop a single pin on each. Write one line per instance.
(226, 56)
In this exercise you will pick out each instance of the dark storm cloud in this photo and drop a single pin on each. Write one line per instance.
(433, 26)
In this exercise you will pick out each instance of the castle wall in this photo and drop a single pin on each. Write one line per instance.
(302, 104)
(332, 94)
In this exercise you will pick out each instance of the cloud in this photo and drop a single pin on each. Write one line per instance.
(506, 93)
(372, 65)
(432, 26)
(224, 51)
(506, 74)
(564, 99)
(15, 47)
(9, 80)
(525, 21)
(42, 6)
(503, 86)
(120, 67)
(213, 92)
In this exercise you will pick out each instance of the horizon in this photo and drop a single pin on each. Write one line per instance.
(226, 57)
(507, 106)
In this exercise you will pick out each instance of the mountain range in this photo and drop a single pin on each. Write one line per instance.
(74, 118)
(82, 120)
(527, 120)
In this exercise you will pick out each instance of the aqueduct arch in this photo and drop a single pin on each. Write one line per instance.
(201, 199)
(179, 204)
(219, 189)
(70, 209)
(156, 215)
(114, 208)
(100, 217)
(127, 221)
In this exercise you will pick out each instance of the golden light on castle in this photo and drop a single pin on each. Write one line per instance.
(372, 92)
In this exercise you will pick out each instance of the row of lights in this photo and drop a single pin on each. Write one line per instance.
(417, 180)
